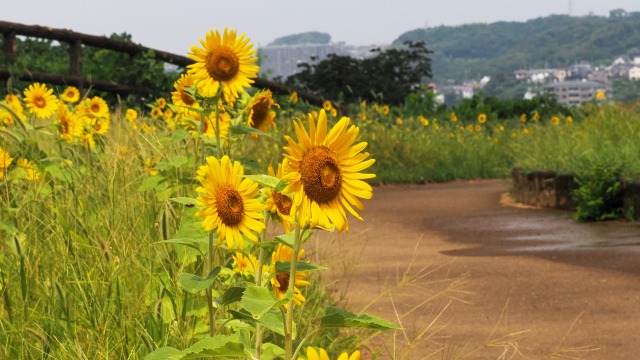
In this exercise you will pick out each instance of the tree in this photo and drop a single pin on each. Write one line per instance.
(389, 76)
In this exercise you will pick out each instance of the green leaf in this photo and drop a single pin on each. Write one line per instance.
(194, 283)
(185, 200)
(164, 353)
(180, 135)
(271, 351)
(178, 160)
(258, 301)
(150, 183)
(217, 345)
(57, 173)
(281, 185)
(232, 295)
(264, 180)
(339, 318)
(288, 238)
(285, 266)
(167, 312)
(243, 129)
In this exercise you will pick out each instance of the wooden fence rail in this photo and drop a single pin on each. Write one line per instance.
(10, 31)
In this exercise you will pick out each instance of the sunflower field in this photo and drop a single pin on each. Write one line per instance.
(178, 230)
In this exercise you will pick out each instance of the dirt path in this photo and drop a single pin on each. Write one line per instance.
(470, 276)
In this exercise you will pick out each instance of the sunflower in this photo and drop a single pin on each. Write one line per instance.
(181, 98)
(260, 114)
(209, 129)
(69, 125)
(161, 103)
(385, 109)
(482, 118)
(30, 169)
(40, 100)
(279, 204)
(224, 59)
(324, 172)
(150, 165)
(95, 107)
(244, 264)
(454, 117)
(230, 204)
(5, 161)
(399, 121)
(294, 97)
(6, 118)
(327, 106)
(321, 354)
(523, 118)
(281, 280)
(16, 105)
(71, 94)
(156, 112)
(555, 120)
(131, 115)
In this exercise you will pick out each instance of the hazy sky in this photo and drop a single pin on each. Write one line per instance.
(176, 25)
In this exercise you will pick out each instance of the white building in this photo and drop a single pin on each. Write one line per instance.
(634, 73)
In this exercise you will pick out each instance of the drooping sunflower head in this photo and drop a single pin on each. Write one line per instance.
(324, 172)
(182, 98)
(244, 264)
(209, 126)
(30, 169)
(6, 119)
(226, 60)
(71, 95)
(5, 161)
(229, 203)
(281, 281)
(40, 100)
(260, 114)
(279, 204)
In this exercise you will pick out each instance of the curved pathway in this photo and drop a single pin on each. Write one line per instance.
(470, 275)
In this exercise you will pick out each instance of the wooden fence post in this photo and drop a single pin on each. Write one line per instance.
(9, 47)
(75, 60)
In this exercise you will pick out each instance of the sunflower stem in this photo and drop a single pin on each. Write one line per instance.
(263, 238)
(209, 267)
(218, 147)
(292, 278)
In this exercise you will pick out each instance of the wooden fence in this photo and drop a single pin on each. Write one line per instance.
(10, 30)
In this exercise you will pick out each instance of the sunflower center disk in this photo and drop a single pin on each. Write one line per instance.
(186, 98)
(222, 64)
(283, 203)
(320, 174)
(95, 108)
(260, 114)
(283, 280)
(230, 205)
(40, 102)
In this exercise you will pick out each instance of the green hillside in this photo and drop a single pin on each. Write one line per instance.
(474, 50)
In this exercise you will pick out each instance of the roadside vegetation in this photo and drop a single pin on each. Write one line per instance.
(177, 229)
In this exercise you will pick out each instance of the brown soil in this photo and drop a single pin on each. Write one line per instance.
(470, 275)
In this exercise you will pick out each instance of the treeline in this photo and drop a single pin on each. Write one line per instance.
(475, 50)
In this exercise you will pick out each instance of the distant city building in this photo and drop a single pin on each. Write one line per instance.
(284, 60)
(634, 73)
(575, 92)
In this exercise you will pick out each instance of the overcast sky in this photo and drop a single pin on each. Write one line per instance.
(176, 25)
